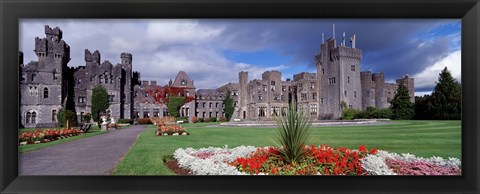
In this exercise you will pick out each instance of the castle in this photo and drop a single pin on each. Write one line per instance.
(48, 84)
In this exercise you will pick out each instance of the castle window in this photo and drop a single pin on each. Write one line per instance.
(321, 100)
(54, 115)
(262, 111)
(350, 106)
(210, 105)
(146, 94)
(235, 103)
(33, 77)
(314, 96)
(323, 71)
(312, 85)
(345, 93)
(275, 97)
(28, 116)
(45, 93)
(313, 110)
(355, 94)
(272, 88)
(284, 111)
(304, 96)
(284, 89)
(79, 81)
(111, 79)
(31, 91)
(81, 116)
(210, 114)
(353, 67)
(204, 105)
(216, 105)
(272, 83)
(348, 80)
(264, 88)
(260, 97)
(24, 77)
(81, 99)
(36, 91)
(106, 79)
(282, 97)
(136, 93)
(183, 82)
(33, 118)
(111, 98)
(275, 111)
(54, 74)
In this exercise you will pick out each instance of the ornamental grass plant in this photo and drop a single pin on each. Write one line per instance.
(293, 133)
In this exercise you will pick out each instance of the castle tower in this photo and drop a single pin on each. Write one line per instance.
(46, 82)
(379, 81)
(126, 99)
(409, 83)
(368, 89)
(338, 69)
(243, 92)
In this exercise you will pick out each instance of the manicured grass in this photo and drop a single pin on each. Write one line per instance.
(422, 138)
(94, 130)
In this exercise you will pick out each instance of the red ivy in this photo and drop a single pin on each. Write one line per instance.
(161, 94)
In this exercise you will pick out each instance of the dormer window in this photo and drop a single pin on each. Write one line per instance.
(33, 77)
(183, 83)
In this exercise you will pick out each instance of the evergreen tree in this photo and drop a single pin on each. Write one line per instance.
(446, 97)
(422, 106)
(228, 102)
(401, 106)
(99, 102)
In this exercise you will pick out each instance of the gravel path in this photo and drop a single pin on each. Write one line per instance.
(97, 155)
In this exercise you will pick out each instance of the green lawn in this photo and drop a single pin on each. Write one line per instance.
(94, 130)
(422, 138)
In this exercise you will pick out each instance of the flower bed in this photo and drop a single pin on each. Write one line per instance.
(386, 163)
(43, 136)
(171, 130)
(321, 160)
(161, 121)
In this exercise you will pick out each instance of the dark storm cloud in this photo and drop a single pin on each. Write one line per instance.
(396, 47)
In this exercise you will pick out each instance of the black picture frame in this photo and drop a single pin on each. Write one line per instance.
(11, 11)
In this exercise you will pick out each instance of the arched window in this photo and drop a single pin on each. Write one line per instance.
(34, 116)
(45, 93)
(54, 72)
(106, 79)
(28, 116)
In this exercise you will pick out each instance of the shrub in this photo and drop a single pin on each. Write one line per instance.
(213, 119)
(66, 115)
(293, 129)
(144, 121)
(223, 119)
(87, 117)
(201, 120)
(194, 119)
(125, 121)
(349, 114)
(206, 119)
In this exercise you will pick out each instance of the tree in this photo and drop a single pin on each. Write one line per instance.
(174, 104)
(228, 102)
(65, 115)
(422, 106)
(99, 102)
(401, 106)
(446, 97)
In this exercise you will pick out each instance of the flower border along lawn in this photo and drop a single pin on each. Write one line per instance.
(422, 138)
(94, 130)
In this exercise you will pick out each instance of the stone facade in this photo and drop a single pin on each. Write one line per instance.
(48, 84)
(338, 81)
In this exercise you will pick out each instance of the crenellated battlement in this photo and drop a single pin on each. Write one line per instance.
(346, 52)
(272, 74)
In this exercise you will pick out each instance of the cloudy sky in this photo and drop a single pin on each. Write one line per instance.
(212, 52)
